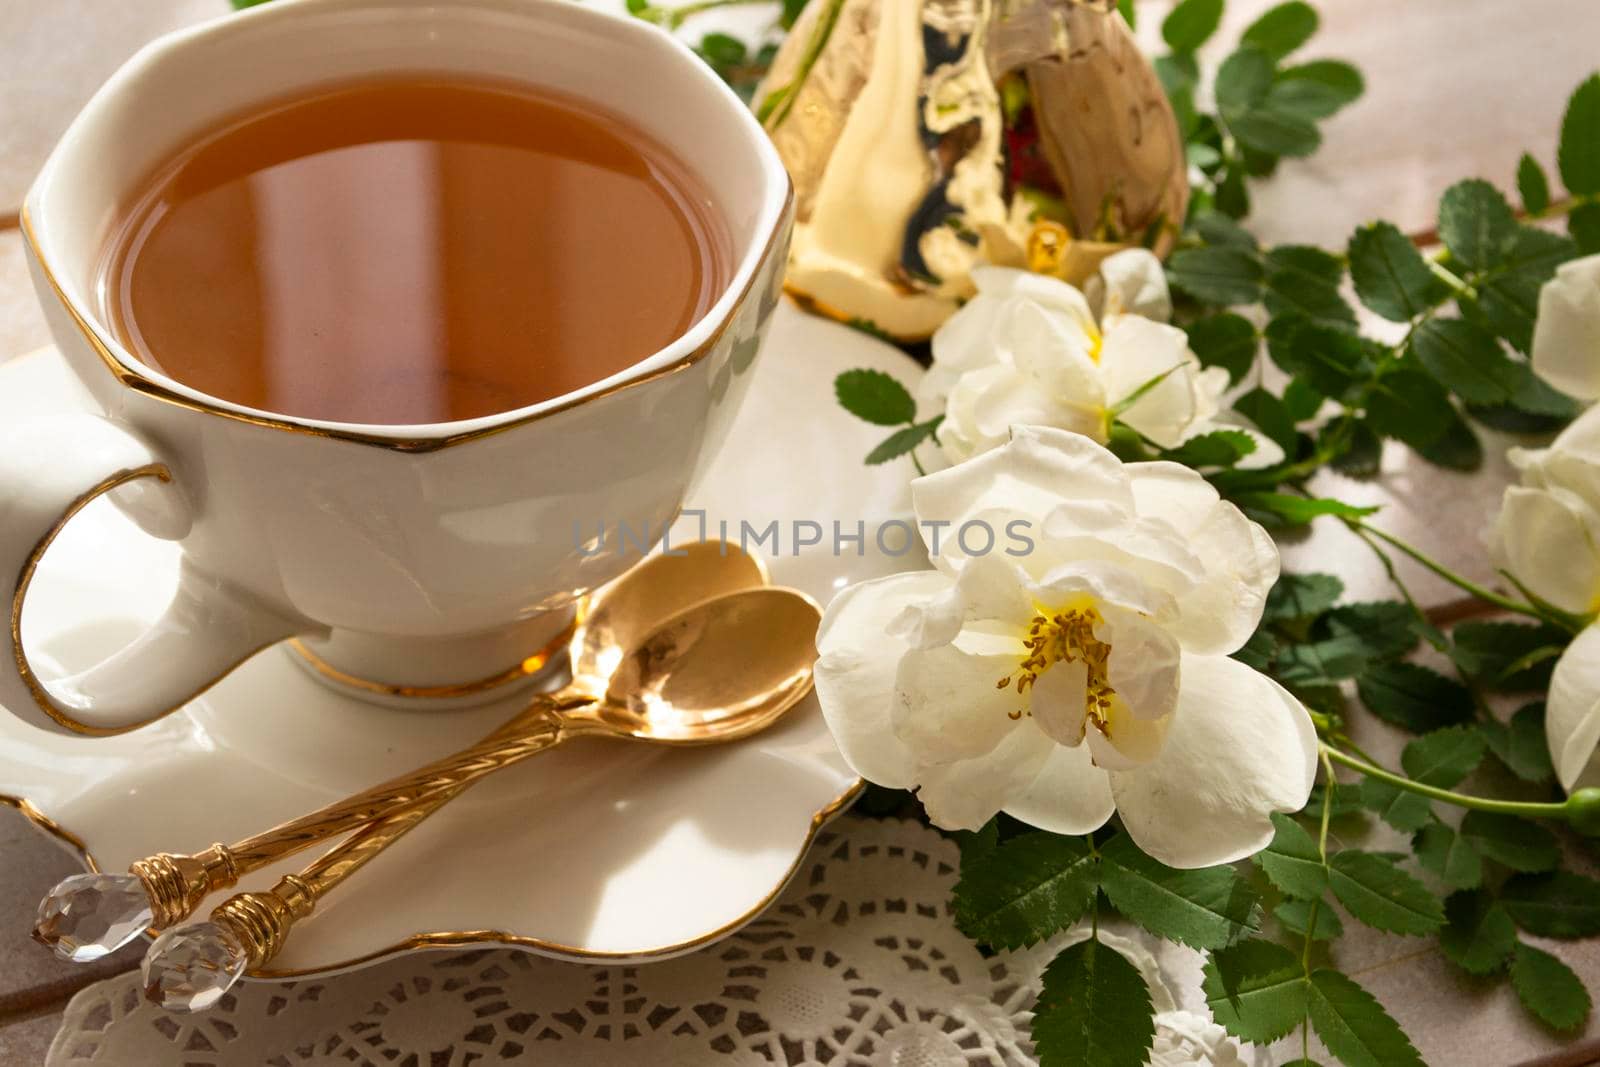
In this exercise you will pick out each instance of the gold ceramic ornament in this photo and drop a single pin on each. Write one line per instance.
(926, 137)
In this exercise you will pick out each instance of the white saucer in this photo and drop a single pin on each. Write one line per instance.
(598, 849)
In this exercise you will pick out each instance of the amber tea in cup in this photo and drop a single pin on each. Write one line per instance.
(412, 250)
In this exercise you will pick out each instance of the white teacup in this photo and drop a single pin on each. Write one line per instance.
(437, 560)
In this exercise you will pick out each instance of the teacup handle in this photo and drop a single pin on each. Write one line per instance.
(50, 468)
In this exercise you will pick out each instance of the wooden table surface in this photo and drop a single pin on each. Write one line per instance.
(1455, 89)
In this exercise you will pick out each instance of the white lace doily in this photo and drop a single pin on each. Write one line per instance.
(857, 965)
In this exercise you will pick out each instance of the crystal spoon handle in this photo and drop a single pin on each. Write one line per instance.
(189, 968)
(177, 884)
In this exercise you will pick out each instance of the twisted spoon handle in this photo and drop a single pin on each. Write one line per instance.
(177, 884)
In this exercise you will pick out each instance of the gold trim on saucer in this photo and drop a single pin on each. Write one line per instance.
(496, 938)
(524, 669)
(41, 695)
(133, 377)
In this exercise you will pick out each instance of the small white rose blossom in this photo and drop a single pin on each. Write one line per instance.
(1086, 675)
(1029, 349)
(1547, 534)
(1547, 537)
(1566, 334)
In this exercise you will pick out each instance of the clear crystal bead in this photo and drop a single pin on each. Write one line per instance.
(189, 968)
(88, 916)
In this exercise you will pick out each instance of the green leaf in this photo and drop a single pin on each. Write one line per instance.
(1217, 275)
(1225, 340)
(1443, 757)
(1258, 652)
(1561, 905)
(1298, 510)
(902, 441)
(1205, 908)
(1548, 988)
(1243, 81)
(1390, 275)
(1270, 416)
(1521, 744)
(1219, 229)
(1583, 224)
(1276, 131)
(722, 50)
(1354, 1025)
(1300, 596)
(976, 844)
(1295, 915)
(1507, 303)
(1324, 85)
(1302, 280)
(875, 396)
(1484, 650)
(791, 12)
(1478, 935)
(1409, 406)
(1381, 895)
(1291, 862)
(1476, 224)
(1331, 361)
(1578, 156)
(1345, 802)
(1363, 450)
(1219, 448)
(1301, 401)
(1256, 990)
(1414, 697)
(1521, 844)
(1453, 858)
(1094, 1007)
(1129, 13)
(1466, 359)
(1457, 449)
(1400, 808)
(1282, 29)
(1385, 628)
(1532, 185)
(1189, 24)
(1025, 890)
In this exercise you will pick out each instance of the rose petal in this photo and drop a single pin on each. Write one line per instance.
(856, 670)
(966, 794)
(1108, 583)
(948, 704)
(1057, 700)
(1572, 712)
(1547, 538)
(1126, 741)
(990, 588)
(1566, 333)
(1136, 352)
(1133, 282)
(1028, 476)
(1144, 664)
(1069, 795)
(1239, 748)
(1221, 611)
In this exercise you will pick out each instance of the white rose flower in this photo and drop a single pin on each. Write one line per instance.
(1547, 534)
(1566, 334)
(1029, 349)
(1084, 675)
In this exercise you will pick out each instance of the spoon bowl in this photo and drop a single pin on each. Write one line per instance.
(715, 672)
(620, 614)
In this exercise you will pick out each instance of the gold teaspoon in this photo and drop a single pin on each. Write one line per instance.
(88, 916)
(717, 672)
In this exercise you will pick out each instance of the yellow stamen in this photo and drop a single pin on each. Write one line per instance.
(1067, 635)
